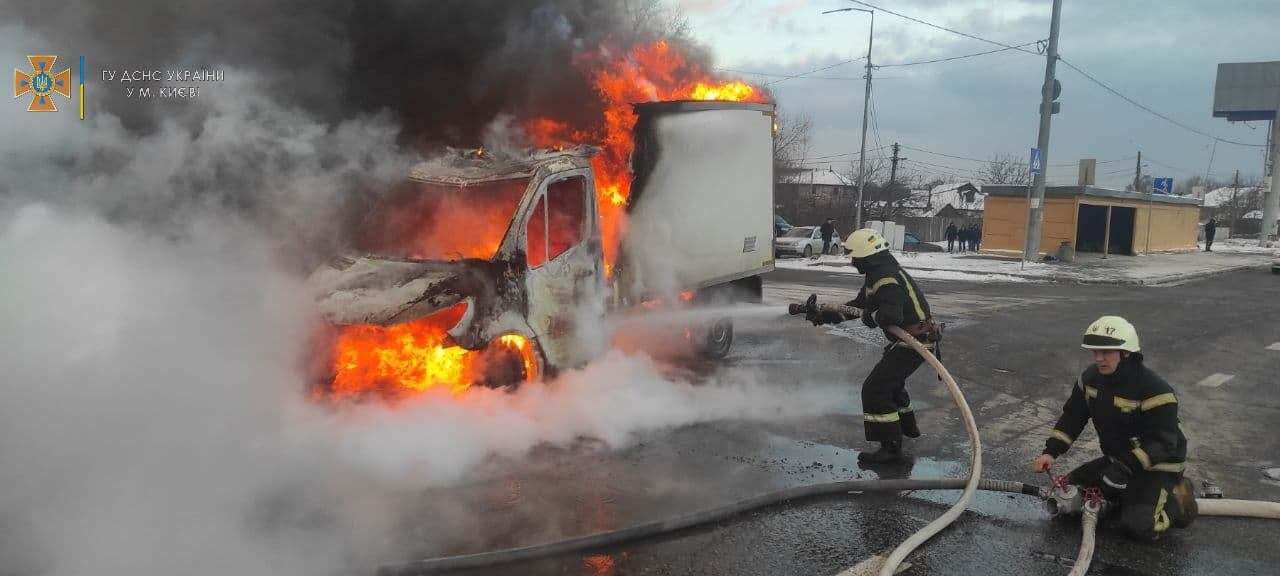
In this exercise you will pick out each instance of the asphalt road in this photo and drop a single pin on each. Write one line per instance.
(1014, 349)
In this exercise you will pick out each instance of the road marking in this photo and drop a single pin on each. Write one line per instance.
(1215, 380)
(1275, 346)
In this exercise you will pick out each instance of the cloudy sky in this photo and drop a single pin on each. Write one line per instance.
(1162, 53)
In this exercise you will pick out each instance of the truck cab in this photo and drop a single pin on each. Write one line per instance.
(514, 243)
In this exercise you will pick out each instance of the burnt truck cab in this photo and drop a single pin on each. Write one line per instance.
(512, 241)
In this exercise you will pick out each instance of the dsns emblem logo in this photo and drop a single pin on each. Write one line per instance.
(42, 83)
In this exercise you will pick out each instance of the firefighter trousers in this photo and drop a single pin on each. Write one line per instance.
(1147, 508)
(886, 407)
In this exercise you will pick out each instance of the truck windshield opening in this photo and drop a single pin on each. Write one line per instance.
(430, 221)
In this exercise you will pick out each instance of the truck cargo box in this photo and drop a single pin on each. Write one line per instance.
(701, 209)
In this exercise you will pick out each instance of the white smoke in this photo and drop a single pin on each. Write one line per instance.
(153, 416)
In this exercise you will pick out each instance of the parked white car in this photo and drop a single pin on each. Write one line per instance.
(806, 241)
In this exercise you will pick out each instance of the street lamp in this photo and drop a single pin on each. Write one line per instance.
(866, 102)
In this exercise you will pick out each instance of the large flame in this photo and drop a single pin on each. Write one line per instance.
(647, 73)
(393, 362)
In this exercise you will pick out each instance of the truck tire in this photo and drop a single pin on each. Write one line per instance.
(506, 367)
(717, 340)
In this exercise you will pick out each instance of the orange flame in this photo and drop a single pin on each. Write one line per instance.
(394, 362)
(646, 73)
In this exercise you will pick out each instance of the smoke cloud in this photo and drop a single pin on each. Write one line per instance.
(152, 418)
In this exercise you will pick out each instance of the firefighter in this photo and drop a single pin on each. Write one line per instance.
(1135, 413)
(889, 297)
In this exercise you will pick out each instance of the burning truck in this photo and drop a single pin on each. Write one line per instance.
(491, 269)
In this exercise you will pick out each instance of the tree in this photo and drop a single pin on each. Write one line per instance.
(1005, 169)
(791, 143)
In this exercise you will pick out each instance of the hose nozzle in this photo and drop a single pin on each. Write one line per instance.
(809, 305)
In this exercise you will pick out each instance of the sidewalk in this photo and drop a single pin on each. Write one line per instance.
(1143, 270)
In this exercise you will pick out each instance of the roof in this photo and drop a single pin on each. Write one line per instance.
(1091, 191)
(827, 177)
(941, 196)
(463, 167)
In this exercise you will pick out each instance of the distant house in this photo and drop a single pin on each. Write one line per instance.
(927, 213)
(1233, 207)
(809, 197)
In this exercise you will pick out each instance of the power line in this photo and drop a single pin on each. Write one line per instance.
(776, 75)
(841, 155)
(972, 159)
(944, 28)
(937, 60)
(1141, 106)
(802, 74)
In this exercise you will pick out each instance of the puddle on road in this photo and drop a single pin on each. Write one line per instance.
(820, 463)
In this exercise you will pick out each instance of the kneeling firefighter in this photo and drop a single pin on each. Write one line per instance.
(889, 297)
(1135, 413)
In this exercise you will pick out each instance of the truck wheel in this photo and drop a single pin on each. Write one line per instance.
(508, 362)
(808, 251)
(718, 339)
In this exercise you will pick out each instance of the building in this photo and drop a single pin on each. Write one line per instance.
(1092, 219)
(930, 211)
(809, 197)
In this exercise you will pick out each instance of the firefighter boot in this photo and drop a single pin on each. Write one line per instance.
(1185, 494)
(888, 452)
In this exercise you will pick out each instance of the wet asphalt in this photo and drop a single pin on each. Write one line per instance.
(1014, 350)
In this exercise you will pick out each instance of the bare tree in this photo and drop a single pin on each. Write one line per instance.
(1005, 169)
(791, 143)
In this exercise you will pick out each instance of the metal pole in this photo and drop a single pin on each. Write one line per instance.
(1106, 235)
(1036, 215)
(1151, 215)
(1271, 202)
(866, 104)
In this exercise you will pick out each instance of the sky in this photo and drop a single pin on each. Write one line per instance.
(1160, 53)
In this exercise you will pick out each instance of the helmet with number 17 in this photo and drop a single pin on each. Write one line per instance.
(1111, 333)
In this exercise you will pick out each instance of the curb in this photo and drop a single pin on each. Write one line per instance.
(1164, 280)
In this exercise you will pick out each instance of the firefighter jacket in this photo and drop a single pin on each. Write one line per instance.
(1135, 413)
(891, 295)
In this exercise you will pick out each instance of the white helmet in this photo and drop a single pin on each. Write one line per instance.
(1111, 333)
(865, 242)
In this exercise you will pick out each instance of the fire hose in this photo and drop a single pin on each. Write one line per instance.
(702, 517)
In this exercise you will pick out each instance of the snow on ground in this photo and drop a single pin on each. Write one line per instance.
(940, 266)
(1241, 246)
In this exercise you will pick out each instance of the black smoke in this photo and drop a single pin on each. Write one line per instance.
(443, 68)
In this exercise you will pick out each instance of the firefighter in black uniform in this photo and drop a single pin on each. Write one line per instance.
(1135, 413)
(889, 297)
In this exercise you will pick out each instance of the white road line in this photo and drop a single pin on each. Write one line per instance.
(1215, 380)
(1275, 346)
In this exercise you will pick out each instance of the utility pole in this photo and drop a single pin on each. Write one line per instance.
(866, 103)
(1235, 190)
(893, 179)
(1035, 219)
(1137, 174)
(893, 167)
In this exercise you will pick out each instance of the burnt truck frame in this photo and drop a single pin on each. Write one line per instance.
(549, 296)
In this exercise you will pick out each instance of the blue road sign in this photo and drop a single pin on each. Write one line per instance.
(1036, 165)
(1162, 185)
